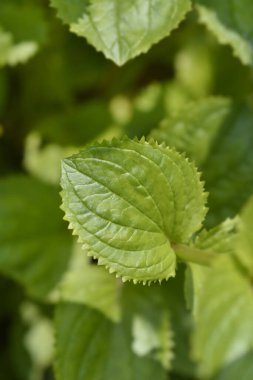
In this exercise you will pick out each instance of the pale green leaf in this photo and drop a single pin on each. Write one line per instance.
(129, 202)
(245, 240)
(89, 285)
(194, 128)
(139, 347)
(34, 244)
(44, 162)
(122, 29)
(220, 239)
(223, 316)
(231, 22)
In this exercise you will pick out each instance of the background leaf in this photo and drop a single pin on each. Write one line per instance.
(34, 244)
(107, 348)
(122, 30)
(231, 23)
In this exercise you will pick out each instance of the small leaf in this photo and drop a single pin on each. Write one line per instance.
(231, 22)
(34, 244)
(129, 202)
(122, 29)
(220, 240)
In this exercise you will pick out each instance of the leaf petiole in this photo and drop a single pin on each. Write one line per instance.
(194, 255)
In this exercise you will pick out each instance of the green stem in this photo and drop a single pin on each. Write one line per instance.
(194, 255)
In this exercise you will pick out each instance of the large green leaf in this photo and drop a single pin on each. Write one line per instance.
(122, 29)
(90, 346)
(223, 316)
(231, 23)
(245, 240)
(130, 202)
(222, 303)
(34, 244)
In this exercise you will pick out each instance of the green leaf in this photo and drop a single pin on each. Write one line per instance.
(223, 317)
(22, 31)
(44, 161)
(89, 285)
(195, 127)
(245, 239)
(220, 240)
(222, 303)
(240, 368)
(181, 322)
(231, 22)
(230, 184)
(129, 202)
(214, 131)
(122, 29)
(34, 245)
(90, 346)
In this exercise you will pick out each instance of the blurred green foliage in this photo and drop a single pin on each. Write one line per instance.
(57, 94)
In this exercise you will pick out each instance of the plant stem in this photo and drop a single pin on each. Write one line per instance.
(194, 255)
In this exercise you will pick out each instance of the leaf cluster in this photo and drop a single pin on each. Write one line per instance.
(126, 189)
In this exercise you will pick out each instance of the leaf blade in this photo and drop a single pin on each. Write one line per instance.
(123, 30)
(126, 220)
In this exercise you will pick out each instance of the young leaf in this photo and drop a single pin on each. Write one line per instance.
(129, 202)
(34, 245)
(221, 240)
(231, 22)
(122, 29)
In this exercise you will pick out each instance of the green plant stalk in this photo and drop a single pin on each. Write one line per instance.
(194, 255)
